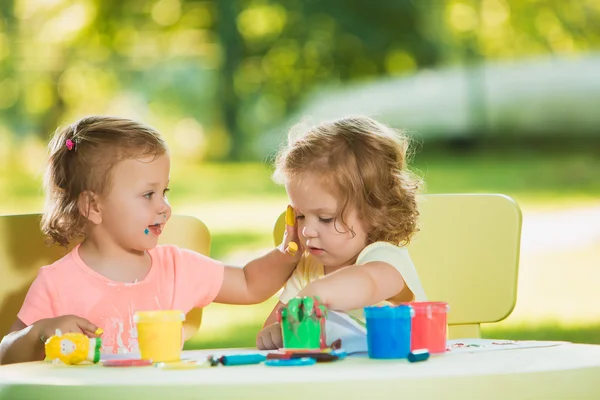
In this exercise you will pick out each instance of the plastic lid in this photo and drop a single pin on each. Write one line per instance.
(402, 311)
(97, 346)
(434, 305)
(159, 316)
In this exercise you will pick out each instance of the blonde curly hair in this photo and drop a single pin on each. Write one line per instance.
(364, 162)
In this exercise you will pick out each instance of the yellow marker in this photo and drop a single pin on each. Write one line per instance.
(292, 248)
(183, 365)
(290, 217)
(99, 331)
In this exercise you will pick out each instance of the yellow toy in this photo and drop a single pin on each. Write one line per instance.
(72, 348)
(290, 220)
(292, 248)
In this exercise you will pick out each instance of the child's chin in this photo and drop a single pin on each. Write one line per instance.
(146, 246)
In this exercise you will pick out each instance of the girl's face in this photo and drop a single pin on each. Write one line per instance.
(319, 223)
(135, 210)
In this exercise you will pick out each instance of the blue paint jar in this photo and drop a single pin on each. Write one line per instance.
(388, 331)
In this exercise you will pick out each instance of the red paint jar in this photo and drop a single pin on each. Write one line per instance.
(429, 326)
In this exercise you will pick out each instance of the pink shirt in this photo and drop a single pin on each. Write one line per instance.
(178, 280)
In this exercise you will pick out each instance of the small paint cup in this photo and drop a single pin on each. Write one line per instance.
(160, 334)
(429, 326)
(388, 331)
(303, 323)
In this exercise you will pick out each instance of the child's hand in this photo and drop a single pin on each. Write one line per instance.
(291, 242)
(67, 323)
(270, 338)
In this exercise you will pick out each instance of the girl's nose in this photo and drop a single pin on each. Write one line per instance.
(308, 232)
(164, 207)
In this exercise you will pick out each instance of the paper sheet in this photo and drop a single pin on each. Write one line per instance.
(341, 326)
(461, 346)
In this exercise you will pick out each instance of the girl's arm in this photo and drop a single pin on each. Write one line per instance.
(258, 280)
(21, 344)
(26, 343)
(357, 286)
(263, 277)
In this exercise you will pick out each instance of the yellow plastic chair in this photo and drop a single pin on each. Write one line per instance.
(466, 253)
(23, 251)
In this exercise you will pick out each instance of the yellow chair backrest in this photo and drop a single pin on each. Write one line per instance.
(23, 251)
(466, 253)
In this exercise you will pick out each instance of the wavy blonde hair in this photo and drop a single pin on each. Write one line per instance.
(97, 144)
(364, 162)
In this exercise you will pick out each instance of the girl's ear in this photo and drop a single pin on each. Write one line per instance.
(89, 207)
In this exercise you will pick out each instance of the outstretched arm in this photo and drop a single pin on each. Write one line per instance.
(26, 343)
(258, 280)
(21, 345)
(263, 277)
(357, 286)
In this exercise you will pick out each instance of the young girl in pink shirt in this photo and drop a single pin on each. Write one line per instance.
(107, 181)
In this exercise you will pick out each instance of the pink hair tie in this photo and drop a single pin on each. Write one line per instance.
(70, 144)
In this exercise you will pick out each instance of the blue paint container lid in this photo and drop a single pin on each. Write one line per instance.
(403, 311)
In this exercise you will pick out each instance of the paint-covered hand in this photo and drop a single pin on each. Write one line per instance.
(46, 328)
(269, 338)
(291, 242)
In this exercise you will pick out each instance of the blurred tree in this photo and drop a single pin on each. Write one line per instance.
(10, 103)
(231, 50)
(215, 74)
(294, 46)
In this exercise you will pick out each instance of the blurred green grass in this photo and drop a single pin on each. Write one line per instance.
(531, 176)
(211, 182)
(243, 336)
(224, 243)
(553, 331)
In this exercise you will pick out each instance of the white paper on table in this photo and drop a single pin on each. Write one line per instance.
(476, 345)
(341, 326)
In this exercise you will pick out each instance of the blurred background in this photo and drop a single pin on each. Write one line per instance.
(500, 96)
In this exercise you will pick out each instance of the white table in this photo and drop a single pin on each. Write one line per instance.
(568, 371)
